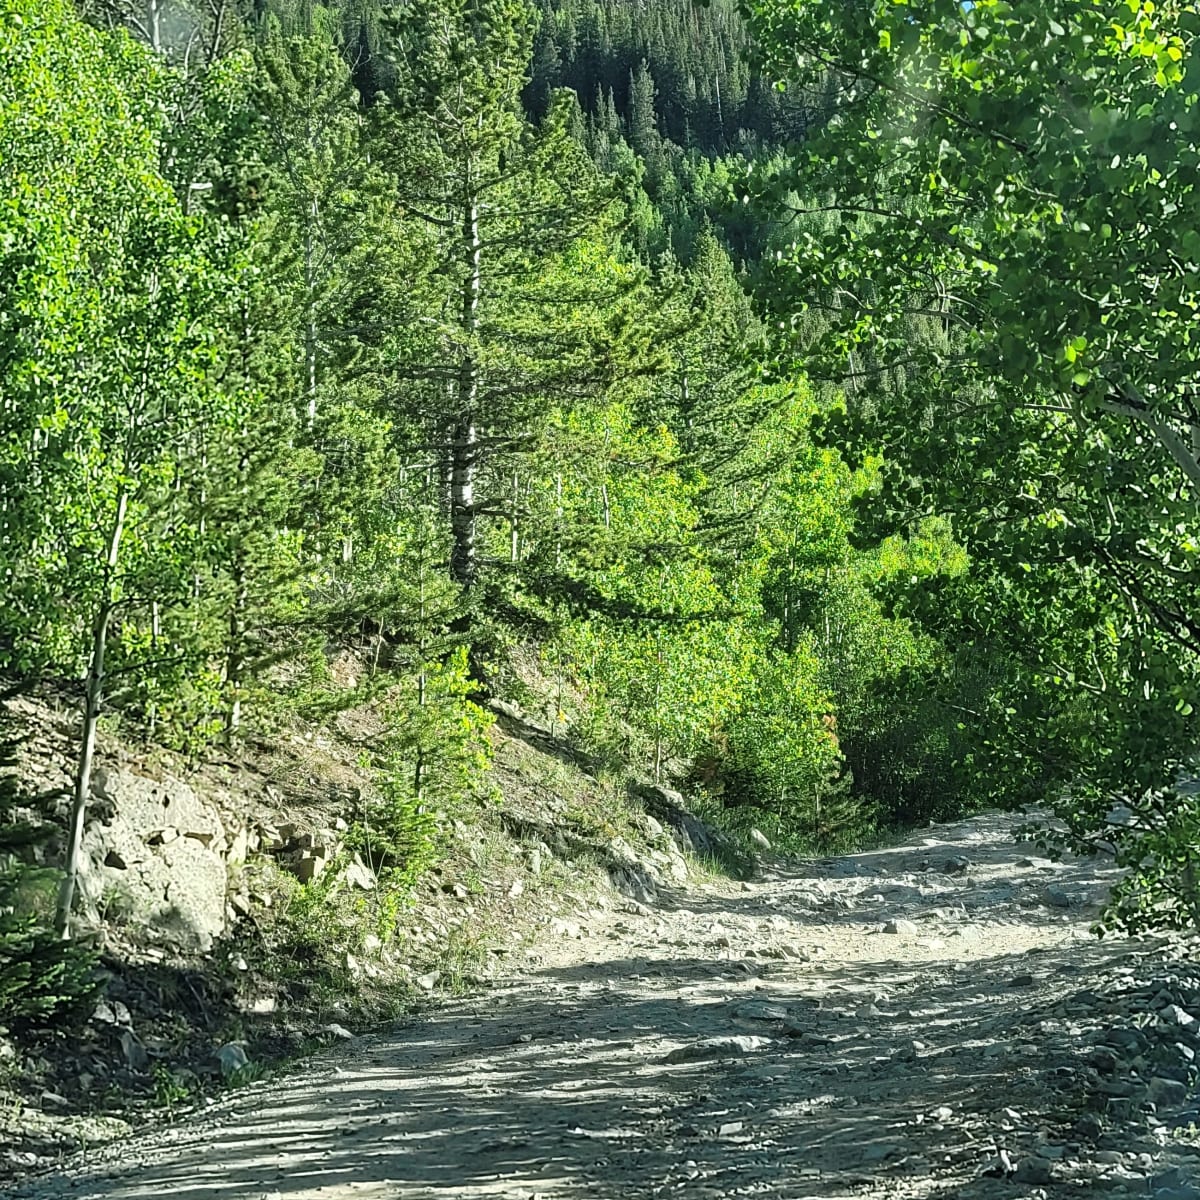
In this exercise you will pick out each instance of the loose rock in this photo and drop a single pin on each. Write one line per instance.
(231, 1059)
(719, 1047)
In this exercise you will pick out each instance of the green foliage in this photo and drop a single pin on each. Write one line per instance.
(995, 242)
(433, 760)
(783, 763)
(368, 332)
(679, 68)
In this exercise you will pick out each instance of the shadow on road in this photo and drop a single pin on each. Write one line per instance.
(851, 1075)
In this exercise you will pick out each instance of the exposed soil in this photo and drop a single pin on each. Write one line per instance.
(933, 1020)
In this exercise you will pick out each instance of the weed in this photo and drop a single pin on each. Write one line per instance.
(172, 1087)
(463, 959)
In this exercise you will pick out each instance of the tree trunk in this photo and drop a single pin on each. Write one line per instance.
(93, 700)
(310, 317)
(464, 441)
(514, 548)
(658, 688)
(154, 25)
(235, 663)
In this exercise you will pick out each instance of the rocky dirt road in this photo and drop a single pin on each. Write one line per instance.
(932, 1020)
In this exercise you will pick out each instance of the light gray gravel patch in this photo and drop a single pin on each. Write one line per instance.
(767, 1041)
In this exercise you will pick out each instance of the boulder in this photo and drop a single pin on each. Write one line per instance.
(154, 858)
(359, 875)
(757, 1010)
(688, 832)
(308, 866)
(231, 1059)
(634, 881)
(1057, 896)
(717, 1048)
(135, 1053)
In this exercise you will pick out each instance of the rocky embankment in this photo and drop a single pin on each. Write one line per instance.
(930, 1020)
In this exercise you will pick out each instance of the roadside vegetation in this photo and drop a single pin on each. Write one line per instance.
(788, 404)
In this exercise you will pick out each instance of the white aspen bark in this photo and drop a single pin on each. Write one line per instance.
(658, 733)
(464, 442)
(514, 550)
(422, 685)
(310, 317)
(236, 660)
(155, 636)
(92, 703)
(202, 522)
(1136, 408)
(154, 24)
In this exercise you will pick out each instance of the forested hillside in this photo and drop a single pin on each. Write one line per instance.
(839, 470)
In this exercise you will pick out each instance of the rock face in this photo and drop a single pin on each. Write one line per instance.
(158, 855)
(642, 875)
(669, 809)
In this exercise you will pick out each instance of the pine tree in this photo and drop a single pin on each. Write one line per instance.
(500, 199)
(545, 66)
(308, 111)
(643, 124)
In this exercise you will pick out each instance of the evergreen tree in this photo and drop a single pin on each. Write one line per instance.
(643, 124)
(500, 200)
(545, 66)
(305, 101)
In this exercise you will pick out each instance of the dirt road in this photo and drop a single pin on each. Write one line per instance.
(931, 1020)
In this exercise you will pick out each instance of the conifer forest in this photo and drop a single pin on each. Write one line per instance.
(798, 393)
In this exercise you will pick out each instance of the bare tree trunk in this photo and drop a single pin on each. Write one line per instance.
(235, 663)
(155, 638)
(235, 660)
(514, 522)
(310, 317)
(658, 729)
(154, 24)
(92, 702)
(464, 441)
(604, 497)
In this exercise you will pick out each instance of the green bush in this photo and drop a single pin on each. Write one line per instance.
(434, 756)
(783, 773)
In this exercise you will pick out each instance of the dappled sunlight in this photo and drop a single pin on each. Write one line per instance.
(644, 1056)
